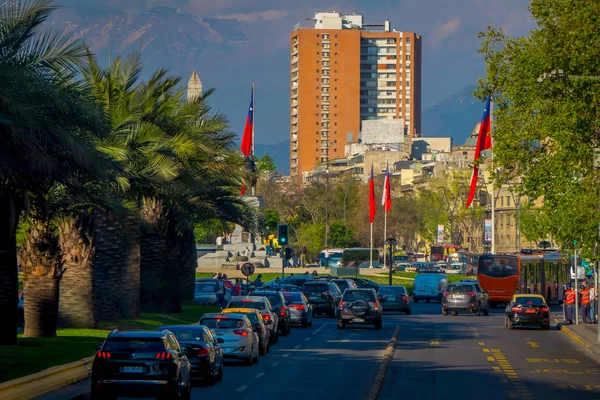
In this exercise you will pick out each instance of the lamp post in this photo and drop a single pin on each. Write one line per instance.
(327, 207)
(391, 242)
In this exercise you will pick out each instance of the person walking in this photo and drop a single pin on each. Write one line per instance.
(569, 302)
(303, 254)
(258, 282)
(326, 255)
(219, 243)
(237, 289)
(593, 293)
(585, 302)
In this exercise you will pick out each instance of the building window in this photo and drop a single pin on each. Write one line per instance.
(335, 141)
(407, 40)
(408, 57)
(508, 201)
(316, 123)
(317, 53)
(317, 150)
(317, 141)
(335, 150)
(336, 45)
(317, 70)
(318, 35)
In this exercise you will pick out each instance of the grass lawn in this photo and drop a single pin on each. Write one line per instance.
(204, 275)
(34, 355)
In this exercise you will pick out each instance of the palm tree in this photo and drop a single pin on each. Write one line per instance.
(47, 124)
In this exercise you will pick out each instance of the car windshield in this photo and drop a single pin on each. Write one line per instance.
(273, 298)
(312, 288)
(358, 295)
(251, 316)
(460, 288)
(134, 345)
(293, 298)
(206, 287)
(529, 301)
(247, 304)
(222, 323)
(392, 290)
(187, 334)
(342, 284)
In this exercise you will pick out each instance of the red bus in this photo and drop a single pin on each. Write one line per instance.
(442, 252)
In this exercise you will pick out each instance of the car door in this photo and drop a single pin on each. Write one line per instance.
(213, 347)
(274, 315)
(183, 363)
(484, 298)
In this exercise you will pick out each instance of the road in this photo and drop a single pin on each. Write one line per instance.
(436, 358)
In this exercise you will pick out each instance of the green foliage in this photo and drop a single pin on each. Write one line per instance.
(313, 236)
(207, 231)
(271, 220)
(545, 131)
(265, 165)
(341, 236)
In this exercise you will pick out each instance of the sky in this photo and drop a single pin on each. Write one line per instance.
(449, 43)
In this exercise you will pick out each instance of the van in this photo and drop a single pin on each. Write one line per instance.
(429, 286)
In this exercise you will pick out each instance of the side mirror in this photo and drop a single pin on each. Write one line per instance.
(99, 348)
(220, 340)
(381, 298)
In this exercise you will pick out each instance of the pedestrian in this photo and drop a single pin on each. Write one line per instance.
(258, 282)
(219, 243)
(268, 250)
(585, 302)
(219, 276)
(326, 255)
(593, 307)
(237, 289)
(569, 302)
(220, 294)
(306, 273)
(277, 280)
(314, 273)
(303, 254)
(224, 276)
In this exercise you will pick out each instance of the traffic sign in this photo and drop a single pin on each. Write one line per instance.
(247, 269)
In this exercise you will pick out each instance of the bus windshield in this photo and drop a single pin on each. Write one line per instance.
(335, 259)
(360, 257)
(498, 266)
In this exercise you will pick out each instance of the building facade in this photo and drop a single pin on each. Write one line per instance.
(343, 72)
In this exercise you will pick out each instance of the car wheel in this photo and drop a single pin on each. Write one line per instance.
(505, 321)
(427, 300)
(445, 313)
(287, 330)
(263, 349)
(454, 313)
(511, 326)
(96, 394)
(272, 339)
(250, 360)
(212, 379)
(378, 325)
(220, 374)
(256, 355)
(407, 312)
(546, 327)
(476, 312)
(305, 324)
(486, 312)
(341, 324)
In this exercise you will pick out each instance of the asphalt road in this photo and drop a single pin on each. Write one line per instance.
(436, 358)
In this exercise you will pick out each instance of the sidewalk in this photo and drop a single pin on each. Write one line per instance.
(586, 336)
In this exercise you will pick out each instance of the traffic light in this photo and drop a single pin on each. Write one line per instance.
(288, 253)
(282, 234)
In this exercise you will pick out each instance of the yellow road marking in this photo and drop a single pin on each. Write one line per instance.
(491, 359)
(486, 350)
(495, 350)
(434, 343)
(481, 343)
(497, 369)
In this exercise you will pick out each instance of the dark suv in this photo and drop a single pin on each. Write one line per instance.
(147, 363)
(465, 296)
(359, 306)
(278, 303)
(324, 296)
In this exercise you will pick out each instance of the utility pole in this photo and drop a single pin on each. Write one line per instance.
(576, 288)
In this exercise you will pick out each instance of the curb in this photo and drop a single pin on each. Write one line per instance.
(46, 381)
(385, 363)
(589, 349)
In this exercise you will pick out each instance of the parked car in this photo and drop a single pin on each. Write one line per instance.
(395, 298)
(279, 287)
(323, 296)
(363, 283)
(265, 308)
(301, 312)
(465, 297)
(205, 291)
(359, 306)
(278, 303)
(423, 266)
(141, 363)
(527, 310)
(344, 284)
(240, 342)
(456, 268)
(296, 280)
(202, 350)
(259, 325)
(429, 286)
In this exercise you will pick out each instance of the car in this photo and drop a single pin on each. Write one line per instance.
(422, 266)
(323, 296)
(202, 350)
(344, 284)
(140, 363)
(527, 310)
(301, 312)
(429, 286)
(359, 306)
(263, 305)
(363, 283)
(456, 268)
(395, 298)
(278, 303)
(465, 297)
(279, 287)
(240, 342)
(205, 291)
(259, 325)
(296, 280)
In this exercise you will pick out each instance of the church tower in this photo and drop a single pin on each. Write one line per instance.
(194, 87)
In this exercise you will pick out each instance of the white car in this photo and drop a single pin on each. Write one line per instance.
(455, 269)
(235, 335)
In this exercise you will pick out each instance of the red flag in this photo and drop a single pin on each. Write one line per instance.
(247, 138)
(386, 200)
(243, 191)
(484, 142)
(372, 205)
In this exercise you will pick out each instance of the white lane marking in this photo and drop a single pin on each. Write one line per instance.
(319, 329)
(275, 364)
(297, 346)
(242, 388)
(260, 375)
(307, 339)
(345, 341)
(287, 354)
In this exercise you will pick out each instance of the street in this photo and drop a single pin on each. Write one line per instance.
(436, 358)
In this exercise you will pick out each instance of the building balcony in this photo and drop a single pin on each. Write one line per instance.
(295, 111)
(295, 60)
(295, 103)
(294, 129)
(294, 146)
(294, 120)
(294, 137)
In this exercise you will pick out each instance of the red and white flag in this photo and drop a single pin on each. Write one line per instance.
(386, 200)
(484, 142)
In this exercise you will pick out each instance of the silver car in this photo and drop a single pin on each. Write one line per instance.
(205, 291)
(240, 342)
(394, 298)
(301, 312)
(263, 305)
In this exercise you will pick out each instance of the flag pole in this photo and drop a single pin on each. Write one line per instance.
(371, 249)
(493, 190)
(384, 238)
(253, 124)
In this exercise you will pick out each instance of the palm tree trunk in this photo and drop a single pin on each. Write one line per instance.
(187, 262)
(77, 301)
(152, 255)
(8, 269)
(130, 270)
(106, 266)
(172, 268)
(40, 260)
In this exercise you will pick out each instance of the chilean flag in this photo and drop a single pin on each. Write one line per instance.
(386, 200)
(372, 205)
(247, 138)
(484, 142)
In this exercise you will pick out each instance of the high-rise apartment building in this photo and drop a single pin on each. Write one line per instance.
(344, 71)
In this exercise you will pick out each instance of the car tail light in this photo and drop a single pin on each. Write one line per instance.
(266, 317)
(404, 298)
(515, 309)
(341, 305)
(470, 293)
(327, 293)
(241, 332)
(164, 355)
(282, 311)
(203, 351)
(299, 307)
(446, 293)
(375, 305)
(544, 309)
(104, 355)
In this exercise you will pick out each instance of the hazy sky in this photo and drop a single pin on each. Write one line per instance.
(449, 29)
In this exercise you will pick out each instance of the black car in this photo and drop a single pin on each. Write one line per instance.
(344, 284)
(278, 303)
(142, 363)
(363, 283)
(527, 310)
(359, 306)
(202, 349)
(465, 297)
(323, 296)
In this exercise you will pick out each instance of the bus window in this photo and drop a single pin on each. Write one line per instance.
(498, 267)
(335, 259)
(361, 257)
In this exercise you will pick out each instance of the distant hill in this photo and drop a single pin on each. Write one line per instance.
(454, 116)
(280, 152)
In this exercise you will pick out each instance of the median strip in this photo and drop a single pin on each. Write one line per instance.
(385, 363)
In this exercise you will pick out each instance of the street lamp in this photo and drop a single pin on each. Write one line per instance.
(350, 182)
(391, 242)
(327, 204)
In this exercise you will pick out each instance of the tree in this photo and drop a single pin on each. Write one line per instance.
(545, 130)
(341, 236)
(265, 166)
